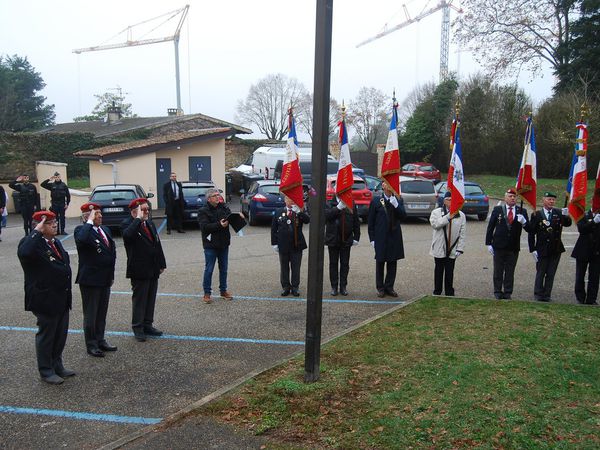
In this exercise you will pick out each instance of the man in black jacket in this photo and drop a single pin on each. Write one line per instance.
(587, 255)
(28, 200)
(288, 240)
(503, 239)
(95, 275)
(342, 231)
(174, 204)
(145, 263)
(60, 197)
(47, 294)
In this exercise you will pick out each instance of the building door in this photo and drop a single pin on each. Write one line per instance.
(200, 168)
(163, 172)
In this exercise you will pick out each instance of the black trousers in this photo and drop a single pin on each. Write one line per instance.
(444, 273)
(27, 213)
(290, 262)
(95, 306)
(143, 302)
(505, 262)
(390, 276)
(581, 267)
(339, 256)
(50, 342)
(59, 210)
(175, 218)
(544, 277)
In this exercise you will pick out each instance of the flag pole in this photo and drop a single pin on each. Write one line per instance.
(453, 140)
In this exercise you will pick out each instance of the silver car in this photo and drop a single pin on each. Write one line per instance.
(419, 196)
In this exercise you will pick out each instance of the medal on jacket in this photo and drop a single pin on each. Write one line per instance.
(289, 221)
(545, 222)
(382, 201)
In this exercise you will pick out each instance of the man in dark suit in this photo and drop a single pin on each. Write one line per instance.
(385, 235)
(95, 275)
(28, 200)
(288, 240)
(503, 239)
(60, 197)
(587, 255)
(47, 294)
(2, 206)
(145, 263)
(174, 204)
(545, 244)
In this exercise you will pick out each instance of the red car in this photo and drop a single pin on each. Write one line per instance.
(360, 194)
(421, 169)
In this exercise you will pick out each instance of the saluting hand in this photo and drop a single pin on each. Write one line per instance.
(40, 224)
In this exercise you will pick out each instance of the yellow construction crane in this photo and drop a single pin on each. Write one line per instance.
(130, 42)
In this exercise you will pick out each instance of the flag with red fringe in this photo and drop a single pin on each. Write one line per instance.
(390, 165)
(527, 178)
(345, 177)
(577, 184)
(291, 177)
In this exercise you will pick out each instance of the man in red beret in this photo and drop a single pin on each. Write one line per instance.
(145, 263)
(47, 294)
(95, 275)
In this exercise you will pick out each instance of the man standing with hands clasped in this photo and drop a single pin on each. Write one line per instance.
(174, 204)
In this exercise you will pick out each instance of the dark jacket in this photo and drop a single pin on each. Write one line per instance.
(384, 229)
(28, 196)
(59, 192)
(209, 217)
(286, 231)
(169, 197)
(545, 235)
(341, 226)
(2, 197)
(96, 260)
(587, 247)
(500, 234)
(145, 257)
(47, 277)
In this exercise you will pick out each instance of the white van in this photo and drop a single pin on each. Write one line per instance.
(265, 159)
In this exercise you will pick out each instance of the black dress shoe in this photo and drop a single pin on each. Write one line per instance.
(180, 231)
(393, 293)
(153, 331)
(95, 352)
(499, 296)
(53, 379)
(140, 337)
(168, 231)
(343, 291)
(65, 373)
(285, 292)
(380, 293)
(334, 292)
(506, 296)
(106, 347)
(295, 292)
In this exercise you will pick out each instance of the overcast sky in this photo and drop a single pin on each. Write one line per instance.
(225, 47)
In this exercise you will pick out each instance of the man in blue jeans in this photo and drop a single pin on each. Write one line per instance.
(215, 240)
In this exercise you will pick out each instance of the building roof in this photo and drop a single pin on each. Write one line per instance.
(111, 152)
(100, 128)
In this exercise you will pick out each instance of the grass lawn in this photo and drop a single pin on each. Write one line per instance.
(79, 183)
(439, 373)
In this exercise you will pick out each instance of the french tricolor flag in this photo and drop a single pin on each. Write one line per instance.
(390, 165)
(345, 177)
(291, 177)
(457, 187)
(577, 185)
(527, 178)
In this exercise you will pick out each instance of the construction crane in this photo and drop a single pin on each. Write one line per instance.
(130, 42)
(445, 6)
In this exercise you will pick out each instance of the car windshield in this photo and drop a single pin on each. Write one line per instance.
(357, 186)
(112, 196)
(426, 168)
(416, 187)
(372, 182)
(270, 189)
(473, 190)
(195, 191)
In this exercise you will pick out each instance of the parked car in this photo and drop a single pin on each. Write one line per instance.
(194, 196)
(421, 169)
(476, 201)
(419, 196)
(114, 200)
(261, 200)
(373, 184)
(360, 194)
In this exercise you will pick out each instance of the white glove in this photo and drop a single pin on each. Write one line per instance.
(521, 218)
(535, 255)
(373, 244)
(458, 253)
(394, 201)
(597, 218)
(341, 205)
(276, 248)
(491, 250)
(565, 211)
(354, 243)
(296, 209)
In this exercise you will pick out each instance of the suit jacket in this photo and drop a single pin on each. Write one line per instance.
(47, 276)
(500, 234)
(587, 247)
(145, 257)
(440, 240)
(545, 235)
(384, 229)
(342, 228)
(286, 232)
(169, 197)
(96, 260)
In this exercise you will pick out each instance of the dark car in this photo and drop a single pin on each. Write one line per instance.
(261, 201)
(114, 200)
(476, 201)
(373, 184)
(422, 170)
(194, 196)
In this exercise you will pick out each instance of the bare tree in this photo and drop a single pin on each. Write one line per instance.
(267, 104)
(366, 112)
(305, 115)
(508, 35)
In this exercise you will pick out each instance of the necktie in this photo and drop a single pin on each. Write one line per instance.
(147, 231)
(510, 215)
(53, 246)
(174, 190)
(101, 233)
(289, 212)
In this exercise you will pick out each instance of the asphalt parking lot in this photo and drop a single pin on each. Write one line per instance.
(205, 347)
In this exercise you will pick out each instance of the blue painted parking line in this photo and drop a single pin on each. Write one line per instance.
(175, 337)
(80, 415)
(161, 226)
(279, 299)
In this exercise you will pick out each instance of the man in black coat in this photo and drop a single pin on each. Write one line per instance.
(342, 231)
(28, 200)
(95, 275)
(174, 204)
(47, 294)
(60, 197)
(545, 244)
(145, 263)
(587, 255)
(288, 240)
(503, 239)
(385, 235)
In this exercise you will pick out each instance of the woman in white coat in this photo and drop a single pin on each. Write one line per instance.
(448, 244)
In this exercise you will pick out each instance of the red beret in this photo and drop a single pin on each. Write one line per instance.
(137, 202)
(90, 206)
(40, 215)
(511, 191)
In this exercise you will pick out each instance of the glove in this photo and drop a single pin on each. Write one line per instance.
(458, 253)
(341, 205)
(394, 201)
(276, 248)
(296, 209)
(597, 218)
(521, 218)
(535, 255)
(354, 243)
(565, 211)
(373, 244)
(491, 250)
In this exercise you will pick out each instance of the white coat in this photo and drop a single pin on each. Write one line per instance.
(439, 220)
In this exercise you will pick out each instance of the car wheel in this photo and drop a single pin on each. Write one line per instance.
(482, 217)
(251, 218)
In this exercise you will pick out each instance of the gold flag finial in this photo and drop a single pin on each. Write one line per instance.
(457, 107)
(343, 110)
(584, 111)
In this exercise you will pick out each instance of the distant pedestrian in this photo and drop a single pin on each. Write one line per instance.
(60, 197)
(587, 258)
(28, 200)
(3, 209)
(174, 204)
